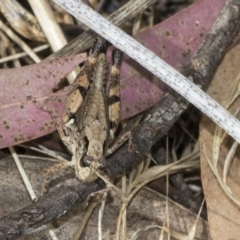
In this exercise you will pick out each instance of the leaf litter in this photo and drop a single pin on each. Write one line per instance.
(220, 155)
(179, 38)
(176, 48)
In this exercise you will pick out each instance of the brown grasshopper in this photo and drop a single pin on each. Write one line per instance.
(90, 116)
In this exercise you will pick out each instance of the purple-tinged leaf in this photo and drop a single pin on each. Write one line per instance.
(21, 120)
(175, 40)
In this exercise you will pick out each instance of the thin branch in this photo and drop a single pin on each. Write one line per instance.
(49, 25)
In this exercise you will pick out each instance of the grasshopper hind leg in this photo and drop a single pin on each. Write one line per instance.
(114, 104)
(78, 90)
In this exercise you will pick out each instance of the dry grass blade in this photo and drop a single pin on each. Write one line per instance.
(220, 180)
(166, 220)
(45, 151)
(100, 214)
(84, 220)
(21, 20)
(170, 232)
(138, 232)
(122, 220)
(192, 233)
(27, 183)
(23, 54)
(20, 42)
(85, 40)
(37, 158)
(137, 23)
(190, 161)
(233, 93)
(219, 134)
(23, 174)
(51, 29)
(126, 196)
(143, 175)
(229, 160)
(48, 23)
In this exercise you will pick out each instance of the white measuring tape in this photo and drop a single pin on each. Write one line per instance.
(154, 64)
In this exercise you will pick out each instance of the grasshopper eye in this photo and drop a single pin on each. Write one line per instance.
(86, 161)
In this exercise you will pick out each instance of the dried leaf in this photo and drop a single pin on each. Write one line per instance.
(222, 211)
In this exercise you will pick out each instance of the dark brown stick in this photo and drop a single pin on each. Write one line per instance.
(165, 113)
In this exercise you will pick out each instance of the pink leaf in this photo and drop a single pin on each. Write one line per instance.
(174, 40)
(21, 120)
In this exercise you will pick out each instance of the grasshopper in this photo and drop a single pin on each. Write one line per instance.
(90, 115)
